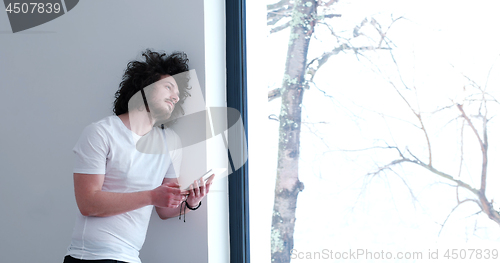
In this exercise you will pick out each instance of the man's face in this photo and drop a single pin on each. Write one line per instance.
(163, 97)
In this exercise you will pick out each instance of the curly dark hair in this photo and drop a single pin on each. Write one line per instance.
(140, 74)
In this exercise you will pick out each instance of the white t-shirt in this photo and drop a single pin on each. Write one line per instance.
(108, 147)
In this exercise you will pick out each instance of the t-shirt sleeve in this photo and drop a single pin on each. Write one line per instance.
(175, 153)
(91, 151)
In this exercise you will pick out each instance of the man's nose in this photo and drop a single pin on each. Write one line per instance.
(174, 98)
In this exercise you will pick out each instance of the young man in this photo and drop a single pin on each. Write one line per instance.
(117, 183)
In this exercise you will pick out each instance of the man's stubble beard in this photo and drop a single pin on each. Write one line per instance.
(160, 114)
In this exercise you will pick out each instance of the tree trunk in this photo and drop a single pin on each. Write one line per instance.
(287, 180)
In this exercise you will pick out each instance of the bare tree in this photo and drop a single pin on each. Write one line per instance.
(302, 17)
(472, 114)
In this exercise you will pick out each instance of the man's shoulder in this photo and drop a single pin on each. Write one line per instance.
(108, 122)
(106, 125)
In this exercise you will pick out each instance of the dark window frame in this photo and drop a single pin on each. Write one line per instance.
(237, 99)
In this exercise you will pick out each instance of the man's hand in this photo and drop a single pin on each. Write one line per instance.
(168, 195)
(92, 201)
(198, 190)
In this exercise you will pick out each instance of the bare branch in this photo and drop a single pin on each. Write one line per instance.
(388, 166)
(481, 143)
(419, 117)
(279, 28)
(431, 169)
(399, 71)
(449, 177)
(278, 5)
(483, 203)
(273, 94)
(321, 60)
(317, 122)
(326, 4)
(461, 148)
(475, 214)
(331, 15)
(484, 167)
(474, 84)
(316, 134)
(275, 17)
(273, 117)
(444, 108)
(383, 34)
(278, 11)
(273, 21)
(413, 197)
(489, 73)
(356, 30)
(372, 148)
(452, 210)
(322, 91)
(487, 207)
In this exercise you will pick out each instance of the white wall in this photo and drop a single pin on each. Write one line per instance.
(59, 77)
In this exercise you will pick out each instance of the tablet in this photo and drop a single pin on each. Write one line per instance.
(218, 172)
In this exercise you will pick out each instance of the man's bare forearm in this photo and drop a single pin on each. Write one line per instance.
(166, 213)
(102, 203)
(92, 201)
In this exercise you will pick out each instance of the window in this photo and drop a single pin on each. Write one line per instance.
(382, 128)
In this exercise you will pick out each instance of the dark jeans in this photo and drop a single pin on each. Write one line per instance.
(70, 259)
